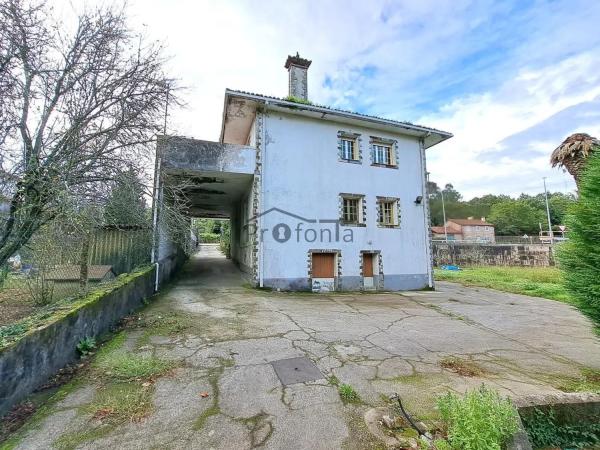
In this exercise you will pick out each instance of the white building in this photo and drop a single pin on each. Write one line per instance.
(319, 198)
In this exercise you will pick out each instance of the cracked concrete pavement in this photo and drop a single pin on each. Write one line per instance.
(379, 343)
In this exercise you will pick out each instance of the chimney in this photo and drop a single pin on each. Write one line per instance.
(470, 218)
(298, 80)
(483, 219)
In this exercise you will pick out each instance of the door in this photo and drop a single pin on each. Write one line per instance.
(367, 269)
(323, 272)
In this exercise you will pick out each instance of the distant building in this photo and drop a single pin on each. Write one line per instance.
(470, 229)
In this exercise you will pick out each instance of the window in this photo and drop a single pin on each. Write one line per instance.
(352, 206)
(350, 213)
(349, 147)
(349, 152)
(387, 212)
(382, 154)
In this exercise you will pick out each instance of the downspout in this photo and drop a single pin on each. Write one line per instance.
(263, 160)
(426, 214)
(155, 206)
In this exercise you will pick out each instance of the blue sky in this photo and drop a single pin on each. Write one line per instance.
(510, 79)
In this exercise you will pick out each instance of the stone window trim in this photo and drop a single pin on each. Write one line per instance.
(362, 218)
(356, 137)
(338, 258)
(396, 200)
(393, 143)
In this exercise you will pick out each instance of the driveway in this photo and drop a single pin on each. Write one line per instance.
(378, 343)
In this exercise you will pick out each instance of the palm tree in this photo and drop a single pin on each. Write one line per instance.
(573, 153)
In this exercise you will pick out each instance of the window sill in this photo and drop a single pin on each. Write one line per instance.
(351, 161)
(352, 224)
(380, 225)
(388, 166)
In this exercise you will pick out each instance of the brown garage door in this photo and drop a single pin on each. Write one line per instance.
(323, 265)
(367, 264)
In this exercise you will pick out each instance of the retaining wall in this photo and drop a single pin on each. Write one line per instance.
(30, 361)
(466, 254)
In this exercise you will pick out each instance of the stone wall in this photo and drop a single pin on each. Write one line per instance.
(466, 254)
(28, 363)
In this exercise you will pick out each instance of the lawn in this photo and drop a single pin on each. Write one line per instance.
(543, 282)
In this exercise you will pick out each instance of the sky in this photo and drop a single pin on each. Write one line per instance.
(510, 79)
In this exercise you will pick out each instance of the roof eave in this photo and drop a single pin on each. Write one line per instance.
(423, 132)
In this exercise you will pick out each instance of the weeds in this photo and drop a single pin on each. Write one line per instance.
(86, 346)
(588, 381)
(544, 431)
(348, 394)
(479, 420)
(119, 403)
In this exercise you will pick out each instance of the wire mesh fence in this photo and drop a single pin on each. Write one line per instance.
(58, 265)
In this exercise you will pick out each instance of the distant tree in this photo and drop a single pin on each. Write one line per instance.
(559, 206)
(579, 257)
(481, 206)
(126, 205)
(78, 103)
(515, 217)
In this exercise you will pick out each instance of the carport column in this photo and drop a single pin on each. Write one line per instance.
(426, 215)
(257, 201)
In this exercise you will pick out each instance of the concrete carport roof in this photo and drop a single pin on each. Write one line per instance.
(212, 176)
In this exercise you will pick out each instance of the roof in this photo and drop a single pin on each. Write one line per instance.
(449, 230)
(472, 222)
(327, 110)
(72, 273)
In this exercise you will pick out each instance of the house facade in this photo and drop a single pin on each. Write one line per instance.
(470, 229)
(335, 201)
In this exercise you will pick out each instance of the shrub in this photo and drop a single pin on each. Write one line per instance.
(579, 257)
(480, 420)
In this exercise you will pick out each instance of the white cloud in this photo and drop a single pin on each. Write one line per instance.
(482, 155)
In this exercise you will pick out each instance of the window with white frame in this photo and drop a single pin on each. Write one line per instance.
(383, 154)
(388, 212)
(349, 149)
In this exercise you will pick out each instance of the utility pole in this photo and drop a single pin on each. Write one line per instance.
(550, 234)
(444, 214)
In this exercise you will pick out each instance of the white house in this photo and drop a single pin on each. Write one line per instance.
(318, 198)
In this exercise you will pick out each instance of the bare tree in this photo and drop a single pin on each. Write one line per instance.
(76, 108)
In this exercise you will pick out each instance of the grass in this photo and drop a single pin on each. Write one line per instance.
(348, 394)
(128, 366)
(588, 381)
(545, 282)
(121, 402)
(10, 334)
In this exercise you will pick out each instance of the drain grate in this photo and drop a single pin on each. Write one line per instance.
(296, 370)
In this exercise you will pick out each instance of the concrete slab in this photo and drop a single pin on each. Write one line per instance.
(379, 343)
